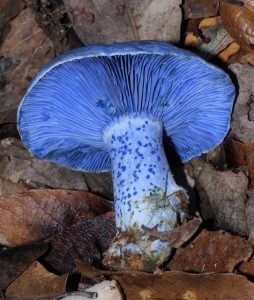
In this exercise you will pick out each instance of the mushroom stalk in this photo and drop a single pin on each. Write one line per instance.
(144, 188)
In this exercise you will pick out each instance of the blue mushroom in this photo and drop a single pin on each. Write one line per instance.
(107, 107)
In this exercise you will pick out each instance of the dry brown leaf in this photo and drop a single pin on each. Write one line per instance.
(249, 4)
(239, 22)
(37, 214)
(119, 20)
(15, 260)
(21, 171)
(27, 48)
(85, 240)
(242, 125)
(247, 268)
(184, 286)
(9, 9)
(240, 154)
(222, 195)
(37, 283)
(212, 251)
(197, 9)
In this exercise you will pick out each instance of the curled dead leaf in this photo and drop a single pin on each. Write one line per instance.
(239, 22)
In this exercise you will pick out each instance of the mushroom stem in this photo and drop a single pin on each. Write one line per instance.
(144, 189)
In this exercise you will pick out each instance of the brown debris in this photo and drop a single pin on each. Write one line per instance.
(14, 261)
(239, 22)
(37, 283)
(26, 48)
(118, 21)
(20, 171)
(85, 240)
(241, 155)
(177, 285)
(222, 195)
(37, 214)
(9, 9)
(247, 267)
(212, 251)
(197, 9)
(242, 124)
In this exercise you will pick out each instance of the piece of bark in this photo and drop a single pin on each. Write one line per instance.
(178, 285)
(85, 240)
(22, 171)
(239, 22)
(242, 125)
(15, 261)
(119, 20)
(222, 195)
(212, 251)
(37, 283)
(197, 9)
(37, 214)
(27, 49)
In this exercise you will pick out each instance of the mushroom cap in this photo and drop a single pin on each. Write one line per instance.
(73, 99)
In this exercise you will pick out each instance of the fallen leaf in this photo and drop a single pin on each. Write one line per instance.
(177, 285)
(37, 214)
(27, 48)
(116, 21)
(247, 267)
(249, 4)
(242, 124)
(230, 50)
(212, 251)
(222, 195)
(241, 154)
(239, 22)
(197, 9)
(37, 283)
(21, 171)
(85, 240)
(9, 9)
(15, 261)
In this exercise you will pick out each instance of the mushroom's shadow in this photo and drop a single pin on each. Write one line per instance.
(177, 168)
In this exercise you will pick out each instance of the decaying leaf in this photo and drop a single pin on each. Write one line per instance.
(239, 22)
(21, 171)
(9, 9)
(37, 283)
(15, 261)
(242, 124)
(37, 214)
(26, 48)
(197, 9)
(222, 195)
(85, 240)
(212, 251)
(240, 154)
(178, 285)
(119, 20)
